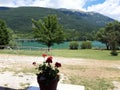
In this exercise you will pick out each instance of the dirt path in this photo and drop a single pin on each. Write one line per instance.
(8, 59)
(10, 79)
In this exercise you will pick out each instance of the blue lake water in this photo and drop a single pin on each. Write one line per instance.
(65, 45)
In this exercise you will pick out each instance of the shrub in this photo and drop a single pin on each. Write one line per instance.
(113, 53)
(86, 45)
(73, 45)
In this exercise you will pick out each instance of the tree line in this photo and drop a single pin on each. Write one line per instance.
(49, 31)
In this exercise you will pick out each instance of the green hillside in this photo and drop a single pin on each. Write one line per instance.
(19, 19)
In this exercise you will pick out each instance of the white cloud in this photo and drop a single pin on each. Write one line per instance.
(109, 8)
(69, 4)
(23, 2)
(15, 3)
(6, 2)
(40, 3)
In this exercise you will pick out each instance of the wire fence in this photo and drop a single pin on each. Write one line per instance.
(21, 47)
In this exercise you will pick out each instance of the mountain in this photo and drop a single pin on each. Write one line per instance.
(4, 8)
(19, 19)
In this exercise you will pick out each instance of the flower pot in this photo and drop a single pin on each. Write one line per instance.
(51, 85)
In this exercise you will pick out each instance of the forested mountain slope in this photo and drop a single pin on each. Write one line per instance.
(19, 19)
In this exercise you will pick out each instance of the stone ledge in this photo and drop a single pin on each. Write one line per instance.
(60, 87)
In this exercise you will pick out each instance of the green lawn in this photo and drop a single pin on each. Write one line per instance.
(88, 54)
(92, 77)
(82, 53)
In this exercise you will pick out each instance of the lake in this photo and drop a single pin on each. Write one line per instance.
(65, 45)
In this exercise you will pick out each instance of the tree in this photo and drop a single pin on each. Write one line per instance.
(4, 34)
(48, 31)
(12, 37)
(102, 36)
(72, 35)
(110, 35)
(113, 32)
(90, 36)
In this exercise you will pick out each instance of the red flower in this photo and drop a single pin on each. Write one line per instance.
(34, 63)
(49, 59)
(57, 64)
(44, 55)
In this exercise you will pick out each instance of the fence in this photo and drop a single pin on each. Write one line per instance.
(21, 47)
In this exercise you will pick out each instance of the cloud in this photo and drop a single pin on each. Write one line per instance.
(109, 8)
(16, 3)
(23, 2)
(69, 4)
(6, 2)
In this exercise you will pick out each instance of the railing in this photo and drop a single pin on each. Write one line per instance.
(22, 47)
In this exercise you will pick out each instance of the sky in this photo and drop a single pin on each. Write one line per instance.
(110, 8)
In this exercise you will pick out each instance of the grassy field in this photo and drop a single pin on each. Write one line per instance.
(87, 53)
(97, 74)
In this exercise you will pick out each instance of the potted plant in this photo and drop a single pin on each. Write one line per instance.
(47, 76)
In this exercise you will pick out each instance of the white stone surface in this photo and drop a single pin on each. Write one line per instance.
(35, 86)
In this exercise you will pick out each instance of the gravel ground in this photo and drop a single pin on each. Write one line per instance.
(20, 80)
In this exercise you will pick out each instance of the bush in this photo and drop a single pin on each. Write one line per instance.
(73, 45)
(113, 53)
(86, 45)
